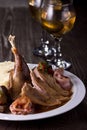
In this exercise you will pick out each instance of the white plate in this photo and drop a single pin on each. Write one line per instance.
(78, 95)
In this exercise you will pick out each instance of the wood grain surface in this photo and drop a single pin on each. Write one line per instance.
(18, 21)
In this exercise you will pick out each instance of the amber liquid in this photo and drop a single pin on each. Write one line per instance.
(58, 25)
(34, 6)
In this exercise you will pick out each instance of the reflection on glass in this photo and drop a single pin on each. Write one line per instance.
(43, 50)
(58, 18)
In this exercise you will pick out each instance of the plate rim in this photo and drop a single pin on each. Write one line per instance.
(71, 104)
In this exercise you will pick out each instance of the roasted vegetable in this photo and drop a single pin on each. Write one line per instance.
(3, 95)
(4, 98)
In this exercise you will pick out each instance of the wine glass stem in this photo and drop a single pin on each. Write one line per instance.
(43, 35)
(58, 59)
(57, 52)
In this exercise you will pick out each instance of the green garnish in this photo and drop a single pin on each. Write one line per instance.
(45, 67)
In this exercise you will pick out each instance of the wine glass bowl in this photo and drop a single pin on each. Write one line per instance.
(58, 18)
(34, 6)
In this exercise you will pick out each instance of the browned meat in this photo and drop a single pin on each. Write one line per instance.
(64, 81)
(22, 105)
(36, 86)
(45, 91)
(21, 72)
(35, 70)
(38, 97)
(50, 81)
(42, 86)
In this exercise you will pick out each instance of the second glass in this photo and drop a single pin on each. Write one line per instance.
(44, 50)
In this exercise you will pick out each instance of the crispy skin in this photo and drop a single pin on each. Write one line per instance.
(20, 73)
(33, 87)
(39, 98)
(51, 82)
(41, 93)
(64, 81)
(21, 106)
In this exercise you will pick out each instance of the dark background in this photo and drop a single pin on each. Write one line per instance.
(15, 18)
(24, 2)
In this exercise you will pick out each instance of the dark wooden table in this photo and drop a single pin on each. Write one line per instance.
(18, 21)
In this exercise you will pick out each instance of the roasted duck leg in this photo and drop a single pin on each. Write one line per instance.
(21, 72)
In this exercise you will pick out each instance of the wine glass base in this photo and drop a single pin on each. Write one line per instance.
(63, 64)
(38, 52)
(44, 51)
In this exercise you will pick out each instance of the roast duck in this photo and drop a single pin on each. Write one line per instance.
(41, 86)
